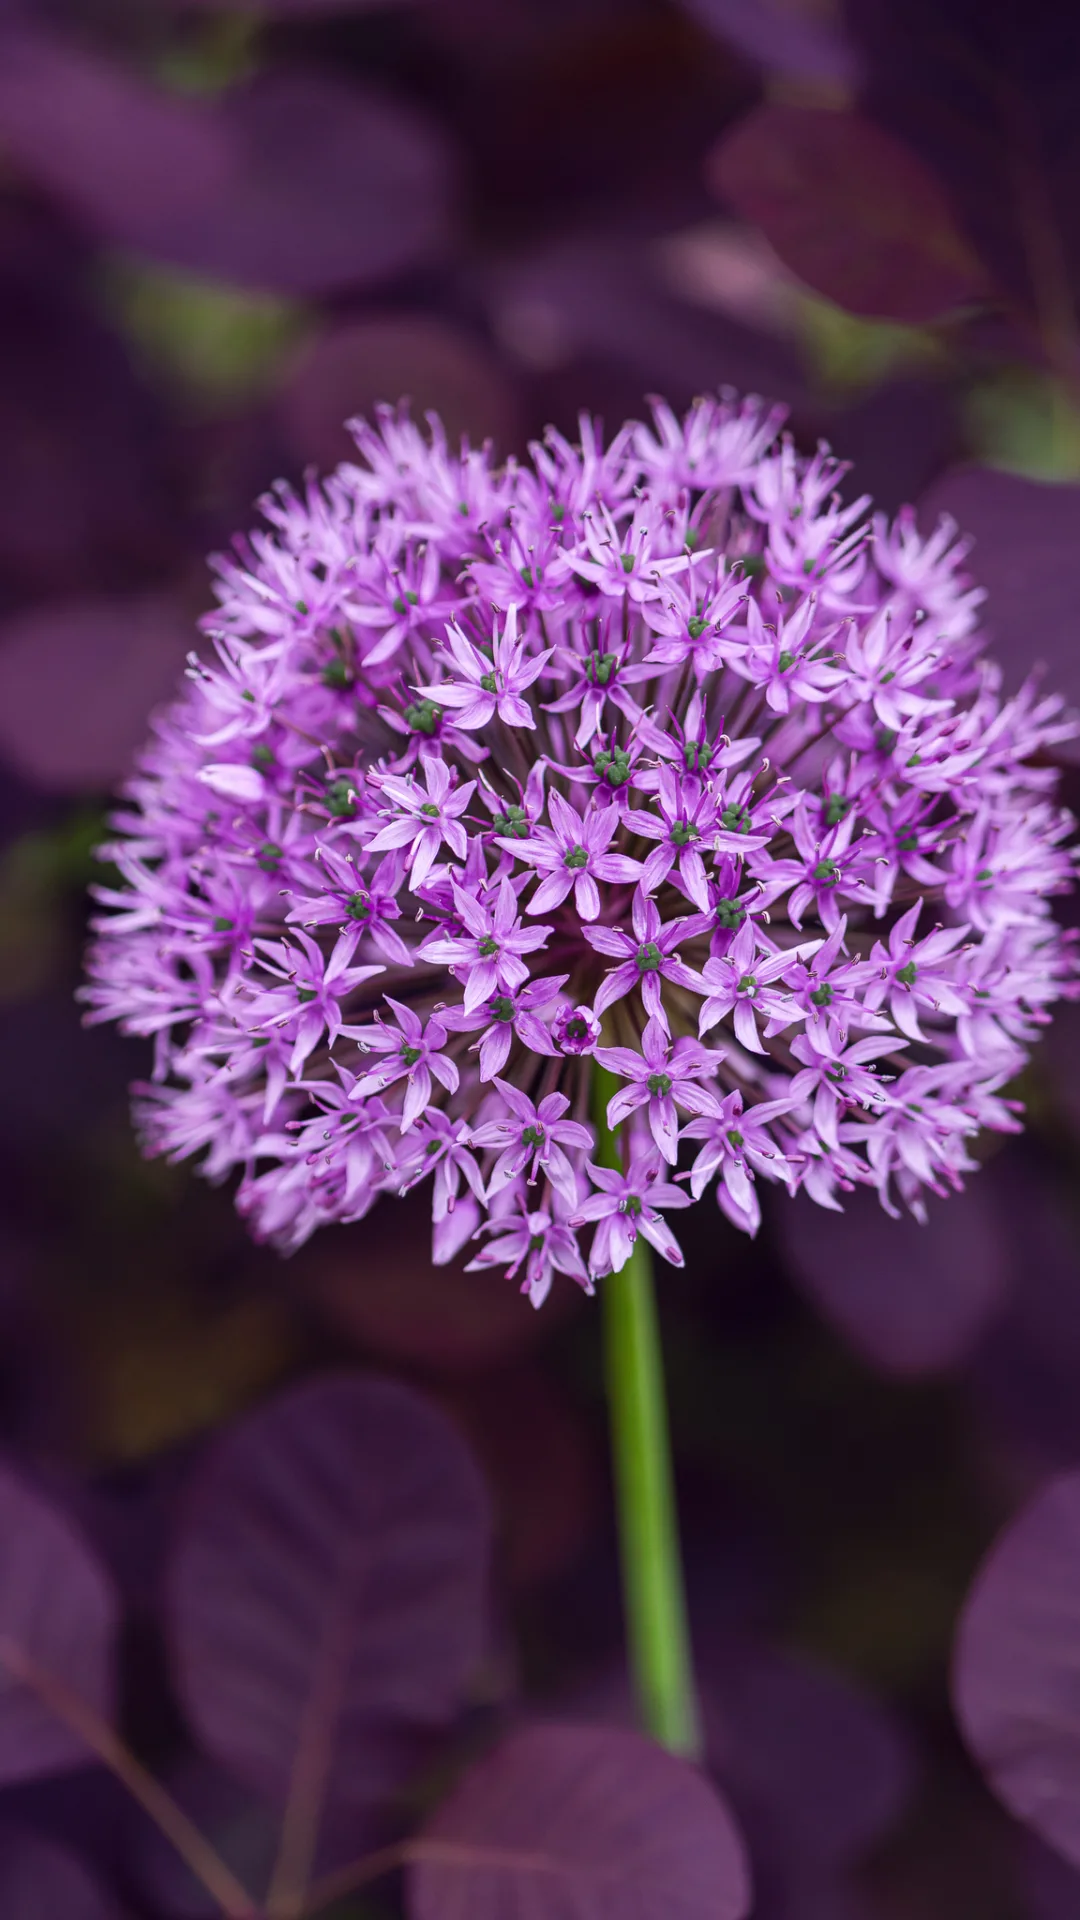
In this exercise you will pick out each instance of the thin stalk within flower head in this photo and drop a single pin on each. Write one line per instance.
(500, 772)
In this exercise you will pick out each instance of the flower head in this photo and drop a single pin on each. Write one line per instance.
(502, 777)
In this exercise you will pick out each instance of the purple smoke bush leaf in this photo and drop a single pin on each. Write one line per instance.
(328, 1585)
(57, 1632)
(1051, 1887)
(300, 9)
(243, 1828)
(40, 1880)
(781, 38)
(1016, 1679)
(851, 210)
(589, 1822)
(986, 94)
(599, 296)
(78, 680)
(1026, 553)
(294, 182)
(538, 1457)
(132, 160)
(334, 184)
(374, 1284)
(1025, 1370)
(86, 496)
(346, 368)
(910, 1299)
(817, 1768)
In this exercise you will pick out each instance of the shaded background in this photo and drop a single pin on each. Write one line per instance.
(223, 231)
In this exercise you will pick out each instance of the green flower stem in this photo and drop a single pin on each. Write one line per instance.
(656, 1628)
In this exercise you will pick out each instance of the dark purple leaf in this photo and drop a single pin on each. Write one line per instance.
(245, 1831)
(851, 210)
(585, 1822)
(1016, 1681)
(42, 1881)
(57, 1631)
(537, 1454)
(85, 498)
(344, 371)
(1051, 1886)
(780, 37)
(1027, 556)
(332, 185)
(78, 680)
(910, 1299)
(601, 296)
(897, 436)
(128, 157)
(328, 1586)
(1017, 1665)
(816, 1768)
(810, 1896)
(376, 1286)
(295, 181)
(986, 93)
(300, 9)
(1027, 1368)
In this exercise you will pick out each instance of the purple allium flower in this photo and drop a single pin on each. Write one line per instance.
(531, 1141)
(498, 768)
(542, 1245)
(628, 1204)
(576, 1030)
(663, 1076)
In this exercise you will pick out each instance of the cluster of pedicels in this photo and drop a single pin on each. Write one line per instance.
(656, 758)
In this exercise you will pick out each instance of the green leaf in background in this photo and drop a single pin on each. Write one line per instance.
(212, 54)
(1024, 421)
(849, 353)
(37, 872)
(222, 344)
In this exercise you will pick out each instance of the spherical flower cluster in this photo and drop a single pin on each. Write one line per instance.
(657, 757)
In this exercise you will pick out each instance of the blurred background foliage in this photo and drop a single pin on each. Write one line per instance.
(222, 232)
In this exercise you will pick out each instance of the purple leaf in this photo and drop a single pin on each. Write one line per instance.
(299, 9)
(599, 296)
(245, 1831)
(376, 1286)
(1026, 1371)
(78, 679)
(328, 1586)
(909, 1299)
(129, 158)
(332, 185)
(537, 1454)
(1027, 556)
(57, 1631)
(1051, 1887)
(810, 1896)
(346, 369)
(85, 495)
(294, 182)
(42, 1881)
(591, 1822)
(851, 210)
(780, 37)
(817, 1768)
(1016, 1681)
(986, 93)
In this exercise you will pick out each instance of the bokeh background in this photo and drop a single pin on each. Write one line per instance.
(225, 229)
